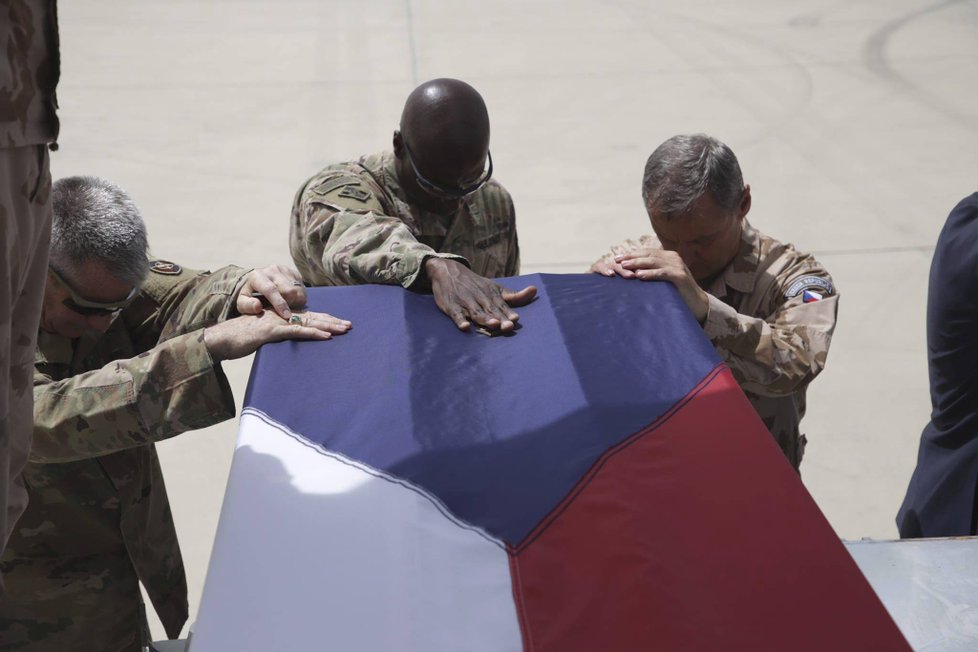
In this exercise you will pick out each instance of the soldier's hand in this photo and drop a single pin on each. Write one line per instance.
(659, 265)
(281, 286)
(467, 297)
(241, 336)
(608, 267)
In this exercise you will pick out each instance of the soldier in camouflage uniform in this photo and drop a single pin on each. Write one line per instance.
(768, 308)
(29, 73)
(426, 215)
(116, 370)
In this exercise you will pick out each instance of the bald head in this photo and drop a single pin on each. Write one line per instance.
(447, 114)
(444, 136)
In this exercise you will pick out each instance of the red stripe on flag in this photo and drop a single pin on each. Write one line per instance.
(695, 534)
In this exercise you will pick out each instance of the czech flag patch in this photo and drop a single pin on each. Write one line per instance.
(811, 297)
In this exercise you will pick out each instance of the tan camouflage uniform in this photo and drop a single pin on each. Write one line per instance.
(99, 520)
(29, 70)
(772, 340)
(351, 224)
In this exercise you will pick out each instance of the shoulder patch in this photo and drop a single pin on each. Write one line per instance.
(820, 285)
(331, 184)
(353, 192)
(164, 267)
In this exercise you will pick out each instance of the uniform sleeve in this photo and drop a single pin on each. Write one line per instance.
(180, 303)
(213, 299)
(777, 355)
(341, 236)
(170, 389)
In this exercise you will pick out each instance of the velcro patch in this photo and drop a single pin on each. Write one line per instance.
(353, 192)
(164, 267)
(487, 242)
(821, 285)
(329, 185)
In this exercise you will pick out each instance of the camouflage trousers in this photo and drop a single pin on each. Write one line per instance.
(43, 616)
(25, 235)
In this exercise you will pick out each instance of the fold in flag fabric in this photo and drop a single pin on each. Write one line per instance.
(596, 481)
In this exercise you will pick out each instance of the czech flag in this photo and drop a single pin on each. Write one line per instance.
(594, 482)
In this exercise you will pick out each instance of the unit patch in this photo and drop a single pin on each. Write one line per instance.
(164, 267)
(329, 185)
(820, 286)
(354, 193)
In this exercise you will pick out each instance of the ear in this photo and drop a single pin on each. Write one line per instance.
(398, 142)
(744, 207)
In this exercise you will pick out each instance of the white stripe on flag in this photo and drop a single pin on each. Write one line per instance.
(342, 557)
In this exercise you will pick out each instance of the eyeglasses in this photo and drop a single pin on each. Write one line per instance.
(79, 304)
(456, 193)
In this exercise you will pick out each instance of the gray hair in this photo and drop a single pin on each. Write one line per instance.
(681, 169)
(95, 219)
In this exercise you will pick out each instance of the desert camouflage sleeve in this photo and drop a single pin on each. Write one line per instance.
(777, 355)
(171, 388)
(340, 236)
(165, 391)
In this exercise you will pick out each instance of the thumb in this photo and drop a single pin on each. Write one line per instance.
(248, 305)
(521, 298)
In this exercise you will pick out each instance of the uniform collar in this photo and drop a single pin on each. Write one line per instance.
(740, 274)
(419, 214)
(390, 176)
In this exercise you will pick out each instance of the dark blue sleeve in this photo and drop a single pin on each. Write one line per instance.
(952, 326)
(941, 497)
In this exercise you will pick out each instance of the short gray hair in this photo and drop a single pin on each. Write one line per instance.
(95, 219)
(681, 169)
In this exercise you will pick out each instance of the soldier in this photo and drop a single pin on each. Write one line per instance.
(28, 125)
(128, 354)
(427, 215)
(768, 308)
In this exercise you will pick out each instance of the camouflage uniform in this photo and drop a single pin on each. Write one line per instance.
(352, 223)
(99, 521)
(774, 342)
(29, 70)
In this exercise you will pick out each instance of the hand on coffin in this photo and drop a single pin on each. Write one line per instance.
(241, 336)
(280, 286)
(659, 265)
(467, 297)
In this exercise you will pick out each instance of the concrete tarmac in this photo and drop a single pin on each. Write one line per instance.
(856, 125)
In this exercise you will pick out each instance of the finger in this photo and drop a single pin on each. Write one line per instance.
(267, 287)
(310, 333)
(456, 314)
(520, 298)
(613, 268)
(602, 267)
(328, 317)
(297, 332)
(494, 306)
(294, 293)
(289, 284)
(500, 316)
(660, 274)
(644, 262)
(483, 317)
(635, 253)
(248, 305)
(325, 322)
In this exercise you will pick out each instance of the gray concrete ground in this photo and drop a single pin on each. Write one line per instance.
(856, 124)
